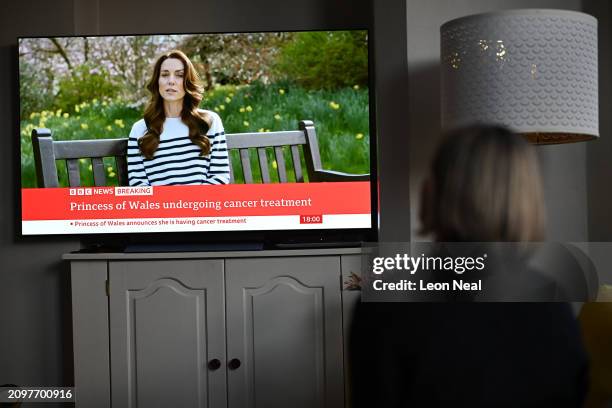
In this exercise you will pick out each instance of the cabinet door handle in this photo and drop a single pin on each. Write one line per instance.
(214, 364)
(234, 364)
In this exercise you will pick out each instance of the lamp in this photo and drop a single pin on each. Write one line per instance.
(532, 70)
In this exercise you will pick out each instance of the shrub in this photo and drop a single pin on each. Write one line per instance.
(35, 92)
(84, 84)
(325, 60)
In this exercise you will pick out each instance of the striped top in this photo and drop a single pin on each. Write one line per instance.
(177, 160)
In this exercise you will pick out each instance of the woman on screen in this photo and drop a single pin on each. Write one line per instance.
(176, 143)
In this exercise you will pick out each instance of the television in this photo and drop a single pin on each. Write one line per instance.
(189, 126)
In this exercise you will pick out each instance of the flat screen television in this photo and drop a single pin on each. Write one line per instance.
(188, 137)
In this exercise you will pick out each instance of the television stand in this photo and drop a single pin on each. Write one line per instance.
(316, 244)
(194, 247)
(212, 311)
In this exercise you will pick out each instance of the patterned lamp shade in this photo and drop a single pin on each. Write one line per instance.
(534, 71)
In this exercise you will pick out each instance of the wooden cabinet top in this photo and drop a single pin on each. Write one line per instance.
(213, 254)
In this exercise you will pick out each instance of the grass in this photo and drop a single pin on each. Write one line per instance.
(341, 120)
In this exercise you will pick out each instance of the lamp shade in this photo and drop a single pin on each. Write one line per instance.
(532, 70)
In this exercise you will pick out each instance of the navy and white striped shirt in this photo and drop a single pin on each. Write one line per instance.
(177, 161)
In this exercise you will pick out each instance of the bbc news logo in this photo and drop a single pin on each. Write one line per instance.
(81, 191)
(118, 191)
(88, 191)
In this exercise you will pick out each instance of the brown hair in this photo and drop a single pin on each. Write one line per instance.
(484, 186)
(155, 115)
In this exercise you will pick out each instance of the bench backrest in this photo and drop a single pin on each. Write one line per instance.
(260, 142)
(47, 151)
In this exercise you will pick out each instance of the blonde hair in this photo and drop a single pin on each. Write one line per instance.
(484, 185)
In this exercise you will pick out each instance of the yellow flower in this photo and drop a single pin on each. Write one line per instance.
(58, 113)
(261, 130)
(245, 123)
(104, 103)
(94, 101)
(109, 168)
(334, 105)
(274, 165)
(119, 122)
(228, 99)
(84, 126)
(42, 123)
(111, 174)
(216, 109)
(65, 115)
(34, 114)
(281, 91)
(90, 167)
(359, 136)
(241, 110)
(355, 87)
(277, 117)
(76, 108)
(249, 109)
(231, 94)
(109, 128)
(222, 107)
(267, 130)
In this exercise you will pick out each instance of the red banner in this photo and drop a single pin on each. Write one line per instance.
(195, 201)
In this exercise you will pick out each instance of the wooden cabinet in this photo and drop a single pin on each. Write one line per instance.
(166, 324)
(260, 329)
(284, 322)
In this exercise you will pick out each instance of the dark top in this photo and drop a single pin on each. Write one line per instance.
(467, 354)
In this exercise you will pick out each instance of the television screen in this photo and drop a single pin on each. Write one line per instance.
(195, 132)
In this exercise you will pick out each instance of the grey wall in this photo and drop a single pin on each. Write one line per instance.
(599, 153)
(564, 167)
(34, 336)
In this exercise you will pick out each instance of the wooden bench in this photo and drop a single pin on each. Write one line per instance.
(47, 151)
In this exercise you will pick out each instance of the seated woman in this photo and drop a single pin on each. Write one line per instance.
(484, 186)
(176, 143)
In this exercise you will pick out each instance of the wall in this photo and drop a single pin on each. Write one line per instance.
(599, 153)
(35, 338)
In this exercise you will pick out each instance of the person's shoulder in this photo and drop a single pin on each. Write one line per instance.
(139, 128)
(216, 125)
(214, 116)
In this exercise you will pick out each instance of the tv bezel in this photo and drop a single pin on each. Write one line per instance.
(299, 237)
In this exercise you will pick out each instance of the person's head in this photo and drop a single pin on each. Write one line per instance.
(484, 185)
(174, 79)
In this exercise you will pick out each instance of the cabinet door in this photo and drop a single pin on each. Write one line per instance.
(284, 325)
(166, 324)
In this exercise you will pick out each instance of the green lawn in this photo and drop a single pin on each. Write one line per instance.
(341, 119)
